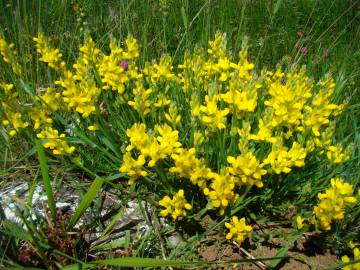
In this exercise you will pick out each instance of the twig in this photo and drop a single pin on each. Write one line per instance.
(249, 256)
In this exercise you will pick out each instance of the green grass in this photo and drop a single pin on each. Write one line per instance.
(321, 34)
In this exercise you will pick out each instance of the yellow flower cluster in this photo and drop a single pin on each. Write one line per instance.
(133, 167)
(247, 169)
(48, 54)
(55, 142)
(80, 89)
(337, 154)
(187, 165)
(288, 99)
(118, 68)
(238, 229)
(175, 207)
(153, 148)
(160, 72)
(141, 101)
(332, 203)
(12, 117)
(282, 159)
(15, 122)
(211, 115)
(172, 116)
(42, 113)
(317, 115)
(221, 191)
(356, 252)
(9, 55)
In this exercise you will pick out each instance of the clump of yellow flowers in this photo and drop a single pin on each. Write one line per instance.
(356, 252)
(332, 203)
(212, 124)
(9, 55)
(238, 230)
(175, 207)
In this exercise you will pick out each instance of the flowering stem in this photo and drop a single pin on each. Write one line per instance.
(245, 193)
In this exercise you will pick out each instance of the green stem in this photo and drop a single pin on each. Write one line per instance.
(245, 193)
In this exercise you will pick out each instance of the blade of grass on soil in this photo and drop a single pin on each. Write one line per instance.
(46, 178)
(86, 201)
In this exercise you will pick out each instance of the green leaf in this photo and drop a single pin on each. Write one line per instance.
(113, 244)
(86, 201)
(114, 177)
(111, 224)
(78, 266)
(277, 6)
(279, 256)
(46, 178)
(143, 262)
(15, 230)
(28, 89)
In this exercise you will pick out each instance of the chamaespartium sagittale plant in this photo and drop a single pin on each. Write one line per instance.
(211, 128)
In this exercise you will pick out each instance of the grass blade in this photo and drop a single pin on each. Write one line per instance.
(280, 255)
(142, 262)
(111, 224)
(46, 178)
(86, 201)
(277, 6)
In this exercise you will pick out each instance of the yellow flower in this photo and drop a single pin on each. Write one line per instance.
(9, 55)
(264, 132)
(57, 143)
(241, 95)
(49, 55)
(247, 169)
(7, 88)
(212, 116)
(93, 127)
(187, 165)
(288, 99)
(175, 207)
(217, 46)
(168, 139)
(282, 160)
(141, 102)
(51, 99)
(173, 116)
(90, 56)
(332, 203)
(300, 222)
(138, 137)
(198, 138)
(132, 48)
(222, 190)
(81, 95)
(244, 67)
(238, 229)
(162, 101)
(133, 167)
(318, 113)
(163, 71)
(41, 117)
(14, 120)
(346, 259)
(113, 74)
(337, 154)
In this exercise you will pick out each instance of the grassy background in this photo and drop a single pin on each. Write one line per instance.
(321, 34)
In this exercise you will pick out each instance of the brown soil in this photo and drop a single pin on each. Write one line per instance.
(304, 254)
